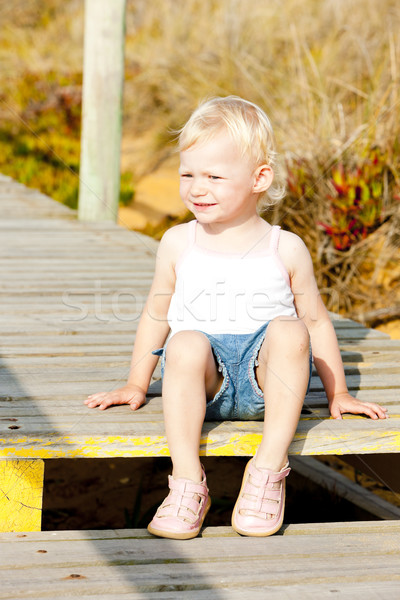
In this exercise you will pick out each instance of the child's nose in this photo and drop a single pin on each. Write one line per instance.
(198, 188)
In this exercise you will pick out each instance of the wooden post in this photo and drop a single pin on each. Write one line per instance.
(103, 76)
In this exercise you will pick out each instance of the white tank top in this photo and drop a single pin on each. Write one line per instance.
(229, 293)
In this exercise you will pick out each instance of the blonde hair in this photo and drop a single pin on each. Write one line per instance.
(248, 126)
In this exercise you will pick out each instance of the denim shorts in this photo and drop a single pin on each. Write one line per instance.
(240, 397)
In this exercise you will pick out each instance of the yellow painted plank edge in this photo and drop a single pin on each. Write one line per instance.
(21, 493)
(213, 443)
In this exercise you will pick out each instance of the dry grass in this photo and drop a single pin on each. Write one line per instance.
(328, 75)
(327, 72)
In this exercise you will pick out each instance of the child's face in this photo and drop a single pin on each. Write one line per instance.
(218, 184)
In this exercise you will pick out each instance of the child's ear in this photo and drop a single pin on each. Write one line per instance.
(263, 177)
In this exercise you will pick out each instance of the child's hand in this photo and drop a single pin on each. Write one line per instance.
(345, 403)
(129, 394)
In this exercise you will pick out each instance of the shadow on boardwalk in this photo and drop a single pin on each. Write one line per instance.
(67, 329)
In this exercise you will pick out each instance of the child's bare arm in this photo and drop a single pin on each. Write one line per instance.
(328, 363)
(150, 336)
(325, 347)
(151, 333)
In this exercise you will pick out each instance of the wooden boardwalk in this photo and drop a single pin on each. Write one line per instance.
(336, 560)
(71, 295)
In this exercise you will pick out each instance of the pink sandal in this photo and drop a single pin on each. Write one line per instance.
(183, 511)
(259, 508)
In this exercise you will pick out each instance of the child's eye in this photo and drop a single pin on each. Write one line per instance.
(186, 175)
(214, 177)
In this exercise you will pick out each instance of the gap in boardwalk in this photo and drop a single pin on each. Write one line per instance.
(124, 493)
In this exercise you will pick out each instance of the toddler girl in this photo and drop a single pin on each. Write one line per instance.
(237, 302)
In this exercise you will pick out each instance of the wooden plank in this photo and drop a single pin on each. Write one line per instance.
(53, 352)
(78, 281)
(104, 337)
(71, 405)
(75, 284)
(339, 528)
(127, 422)
(101, 436)
(185, 577)
(109, 337)
(67, 405)
(75, 390)
(68, 327)
(96, 377)
(22, 366)
(346, 591)
(89, 322)
(384, 397)
(305, 559)
(208, 551)
(72, 250)
(125, 267)
(365, 381)
(313, 407)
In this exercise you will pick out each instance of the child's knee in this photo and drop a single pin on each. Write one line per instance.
(187, 349)
(288, 333)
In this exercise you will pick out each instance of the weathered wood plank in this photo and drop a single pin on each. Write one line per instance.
(81, 383)
(74, 285)
(54, 352)
(71, 406)
(125, 578)
(129, 422)
(37, 364)
(314, 407)
(207, 551)
(369, 345)
(384, 396)
(108, 564)
(59, 365)
(91, 324)
(105, 337)
(57, 326)
(82, 269)
(61, 344)
(102, 437)
(89, 235)
(290, 529)
(346, 590)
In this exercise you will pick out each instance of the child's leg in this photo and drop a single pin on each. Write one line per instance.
(190, 377)
(282, 374)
